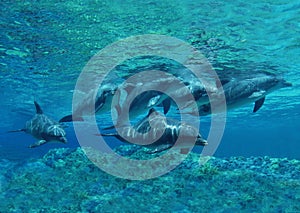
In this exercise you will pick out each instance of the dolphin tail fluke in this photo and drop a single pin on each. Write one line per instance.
(17, 130)
(38, 108)
(70, 118)
(258, 104)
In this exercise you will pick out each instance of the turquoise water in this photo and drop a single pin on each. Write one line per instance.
(44, 46)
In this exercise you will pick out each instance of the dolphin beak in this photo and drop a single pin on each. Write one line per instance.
(287, 84)
(284, 83)
(63, 140)
(201, 142)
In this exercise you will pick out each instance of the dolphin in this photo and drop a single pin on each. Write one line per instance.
(192, 86)
(102, 103)
(241, 91)
(155, 125)
(183, 90)
(43, 128)
(127, 98)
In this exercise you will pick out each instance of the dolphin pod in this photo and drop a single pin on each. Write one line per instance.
(127, 97)
(237, 91)
(111, 96)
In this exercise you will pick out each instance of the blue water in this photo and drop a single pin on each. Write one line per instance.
(44, 46)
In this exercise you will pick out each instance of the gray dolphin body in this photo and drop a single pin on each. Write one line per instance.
(43, 128)
(128, 98)
(239, 92)
(103, 103)
(88, 106)
(161, 131)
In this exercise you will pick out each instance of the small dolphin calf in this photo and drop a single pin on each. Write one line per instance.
(165, 132)
(43, 128)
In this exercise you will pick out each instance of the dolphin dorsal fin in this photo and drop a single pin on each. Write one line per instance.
(152, 110)
(166, 104)
(38, 108)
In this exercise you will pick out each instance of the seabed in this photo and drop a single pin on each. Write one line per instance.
(65, 180)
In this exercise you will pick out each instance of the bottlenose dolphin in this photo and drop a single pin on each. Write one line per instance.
(43, 128)
(161, 131)
(239, 92)
(102, 103)
(171, 90)
(127, 98)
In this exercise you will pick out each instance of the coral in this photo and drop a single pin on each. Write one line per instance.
(66, 180)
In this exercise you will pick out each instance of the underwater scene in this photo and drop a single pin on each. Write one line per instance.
(150, 106)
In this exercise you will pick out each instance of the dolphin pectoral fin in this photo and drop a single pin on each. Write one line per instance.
(70, 118)
(38, 108)
(160, 148)
(166, 104)
(39, 143)
(258, 104)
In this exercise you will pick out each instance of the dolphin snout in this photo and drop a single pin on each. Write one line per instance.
(63, 139)
(283, 83)
(286, 84)
(201, 141)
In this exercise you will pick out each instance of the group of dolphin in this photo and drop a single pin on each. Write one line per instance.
(155, 126)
